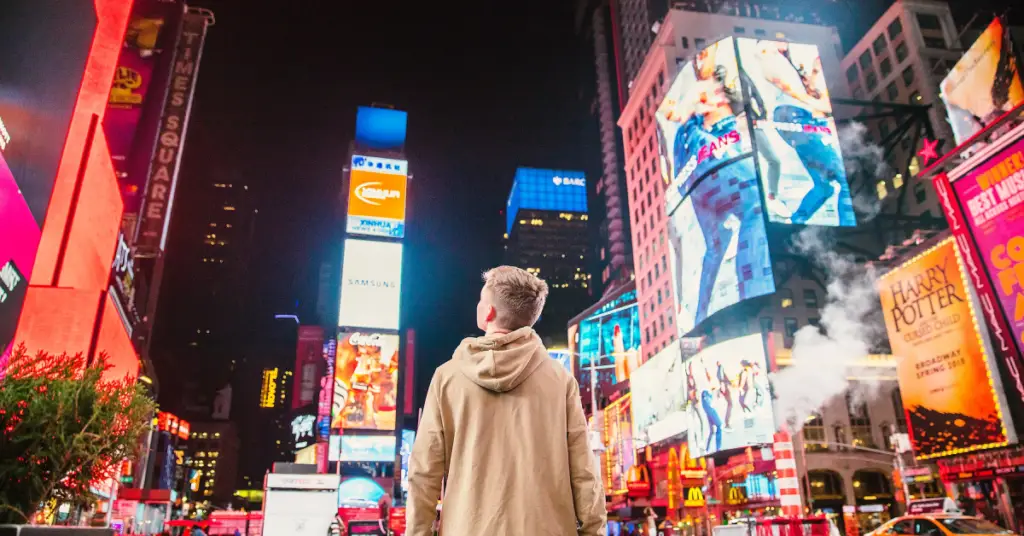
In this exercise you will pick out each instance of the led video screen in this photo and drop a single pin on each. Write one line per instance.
(371, 284)
(377, 196)
(620, 454)
(545, 189)
(367, 448)
(607, 341)
(44, 44)
(563, 357)
(984, 84)
(382, 129)
(717, 235)
(797, 141)
(365, 382)
(727, 383)
(659, 397)
(405, 454)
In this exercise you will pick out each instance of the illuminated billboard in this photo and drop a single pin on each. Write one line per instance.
(729, 382)
(984, 84)
(371, 284)
(950, 395)
(367, 448)
(545, 189)
(365, 382)
(607, 342)
(659, 397)
(308, 356)
(381, 129)
(801, 165)
(617, 436)
(405, 453)
(39, 80)
(564, 358)
(717, 235)
(376, 196)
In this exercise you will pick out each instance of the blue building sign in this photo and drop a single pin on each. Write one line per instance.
(546, 189)
(382, 129)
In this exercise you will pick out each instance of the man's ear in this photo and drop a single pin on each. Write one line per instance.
(492, 313)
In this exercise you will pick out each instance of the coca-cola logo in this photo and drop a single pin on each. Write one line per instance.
(366, 339)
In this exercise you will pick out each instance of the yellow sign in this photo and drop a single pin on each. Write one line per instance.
(673, 479)
(694, 498)
(179, 457)
(736, 496)
(268, 392)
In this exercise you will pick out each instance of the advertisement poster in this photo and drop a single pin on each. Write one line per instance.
(360, 490)
(371, 284)
(325, 396)
(150, 36)
(729, 381)
(608, 342)
(366, 382)
(984, 84)
(619, 444)
(367, 448)
(18, 243)
(376, 196)
(564, 358)
(992, 196)
(800, 161)
(659, 397)
(948, 390)
(308, 355)
(405, 453)
(717, 237)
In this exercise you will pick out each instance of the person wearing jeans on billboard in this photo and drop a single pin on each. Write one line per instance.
(800, 97)
(503, 427)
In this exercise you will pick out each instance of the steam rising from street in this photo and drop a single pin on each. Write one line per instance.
(864, 161)
(849, 328)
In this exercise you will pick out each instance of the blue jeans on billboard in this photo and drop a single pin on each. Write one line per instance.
(714, 423)
(824, 165)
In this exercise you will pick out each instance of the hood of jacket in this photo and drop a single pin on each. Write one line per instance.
(500, 362)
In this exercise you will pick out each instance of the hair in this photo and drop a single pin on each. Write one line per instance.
(518, 296)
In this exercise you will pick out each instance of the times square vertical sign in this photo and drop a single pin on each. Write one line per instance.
(163, 171)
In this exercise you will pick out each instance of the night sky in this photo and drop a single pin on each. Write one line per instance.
(276, 100)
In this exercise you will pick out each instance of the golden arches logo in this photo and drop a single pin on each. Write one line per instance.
(126, 81)
(736, 496)
(694, 497)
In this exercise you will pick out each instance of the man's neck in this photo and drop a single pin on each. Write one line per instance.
(494, 330)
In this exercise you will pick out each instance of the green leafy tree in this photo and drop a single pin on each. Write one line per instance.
(63, 426)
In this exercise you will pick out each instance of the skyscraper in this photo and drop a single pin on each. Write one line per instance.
(546, 224)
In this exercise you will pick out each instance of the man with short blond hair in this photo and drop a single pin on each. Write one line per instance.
(504, 427)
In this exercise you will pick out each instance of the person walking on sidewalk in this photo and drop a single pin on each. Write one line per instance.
(503, 422)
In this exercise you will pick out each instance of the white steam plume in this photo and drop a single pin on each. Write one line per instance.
(822, 359)
(864, 161)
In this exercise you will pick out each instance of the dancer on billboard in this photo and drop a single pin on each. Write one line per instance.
(725, 391)
(693, 396)
(709, 146)
(707, 395)
(746, 382)
(800, 97)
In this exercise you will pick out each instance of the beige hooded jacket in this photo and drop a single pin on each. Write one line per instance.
(503, 421)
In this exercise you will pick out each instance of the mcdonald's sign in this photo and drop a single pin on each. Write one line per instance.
(638, 481)
(691, 469)
(694, 498)
(674, 482)
(736, 496)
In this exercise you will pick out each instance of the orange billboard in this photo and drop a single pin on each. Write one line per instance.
(376, 196)
(953, 402)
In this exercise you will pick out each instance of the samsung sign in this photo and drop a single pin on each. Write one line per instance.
(371, 285)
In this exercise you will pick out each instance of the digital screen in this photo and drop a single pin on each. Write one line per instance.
(334, 448)
(659, 397)
(607, 342)
(382, 129)
(729, 381)
(717, 236)
(367, 448)
(564, 358)
(801, 165)
(359, 490)
(365, 382)
(984, 84)
(545, 189)
(944, 370)
(376, 196)
(45, 44)
(408, 439)
(371, 284)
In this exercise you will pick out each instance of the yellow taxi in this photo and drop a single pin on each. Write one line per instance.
(939, 524)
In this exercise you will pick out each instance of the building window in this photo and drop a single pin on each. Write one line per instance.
(908, 76)
(893, 93)
(895, 29)
(810, 299)
(883, 128)
(686, 42)
(885, 67)
(865, 61)
(790, 326)
(901, 52)
(739, 29)
(785, 298)
(659, 296)
(664, 265)
(879, 45)
(860, 423)
(699, 43)
(871, 81)
(927, 21)
(915, 98)
(767, 324)
(934, 42)
(815, 438)
(897, 407)
(852, 73)
(760, 33)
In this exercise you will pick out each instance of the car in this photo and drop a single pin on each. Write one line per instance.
(939, 524)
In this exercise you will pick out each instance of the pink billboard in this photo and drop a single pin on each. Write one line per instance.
(308, 355)
(991, 197)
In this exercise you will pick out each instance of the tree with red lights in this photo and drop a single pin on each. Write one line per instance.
(63, 427)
